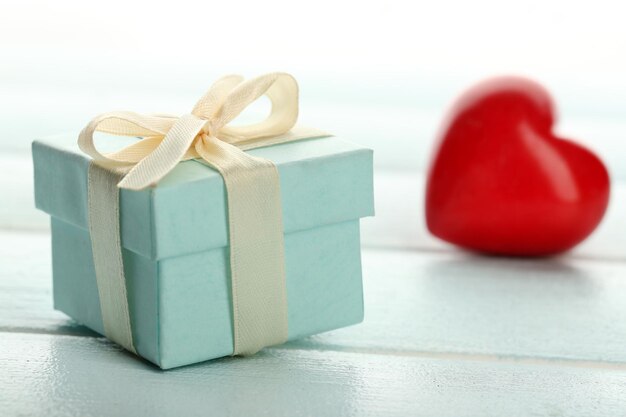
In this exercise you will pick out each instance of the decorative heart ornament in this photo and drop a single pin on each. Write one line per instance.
(502, 182)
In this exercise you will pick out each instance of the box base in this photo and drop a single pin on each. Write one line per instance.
(180, 307)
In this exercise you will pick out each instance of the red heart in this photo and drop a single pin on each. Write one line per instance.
(502, 182)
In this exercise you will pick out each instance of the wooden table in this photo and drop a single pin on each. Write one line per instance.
(446, 333)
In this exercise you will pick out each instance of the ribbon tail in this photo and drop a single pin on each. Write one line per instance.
(164, 158)
(104, 230)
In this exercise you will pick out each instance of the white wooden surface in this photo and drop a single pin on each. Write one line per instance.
(446, 333)
(87, 377)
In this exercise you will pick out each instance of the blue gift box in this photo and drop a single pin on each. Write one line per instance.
(175, 245)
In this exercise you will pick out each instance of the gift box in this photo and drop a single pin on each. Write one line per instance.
(175, 245)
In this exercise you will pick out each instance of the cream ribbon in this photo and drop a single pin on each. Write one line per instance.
(259, 300)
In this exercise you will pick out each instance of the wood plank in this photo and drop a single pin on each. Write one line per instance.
(563, 308)
(64, 375)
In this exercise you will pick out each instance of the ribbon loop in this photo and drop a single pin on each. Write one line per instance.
(212, 100)
(281, 89)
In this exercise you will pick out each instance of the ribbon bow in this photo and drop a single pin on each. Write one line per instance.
(259, 299)
(202, 134)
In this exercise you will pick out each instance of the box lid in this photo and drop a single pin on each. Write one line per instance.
(323, 181)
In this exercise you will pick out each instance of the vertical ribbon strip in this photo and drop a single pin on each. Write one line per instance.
(257, 259)
(256, 244)
(104, 230)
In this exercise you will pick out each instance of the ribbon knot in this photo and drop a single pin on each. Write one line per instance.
(208, 129)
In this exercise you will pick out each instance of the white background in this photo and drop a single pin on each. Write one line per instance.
(378, 73)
